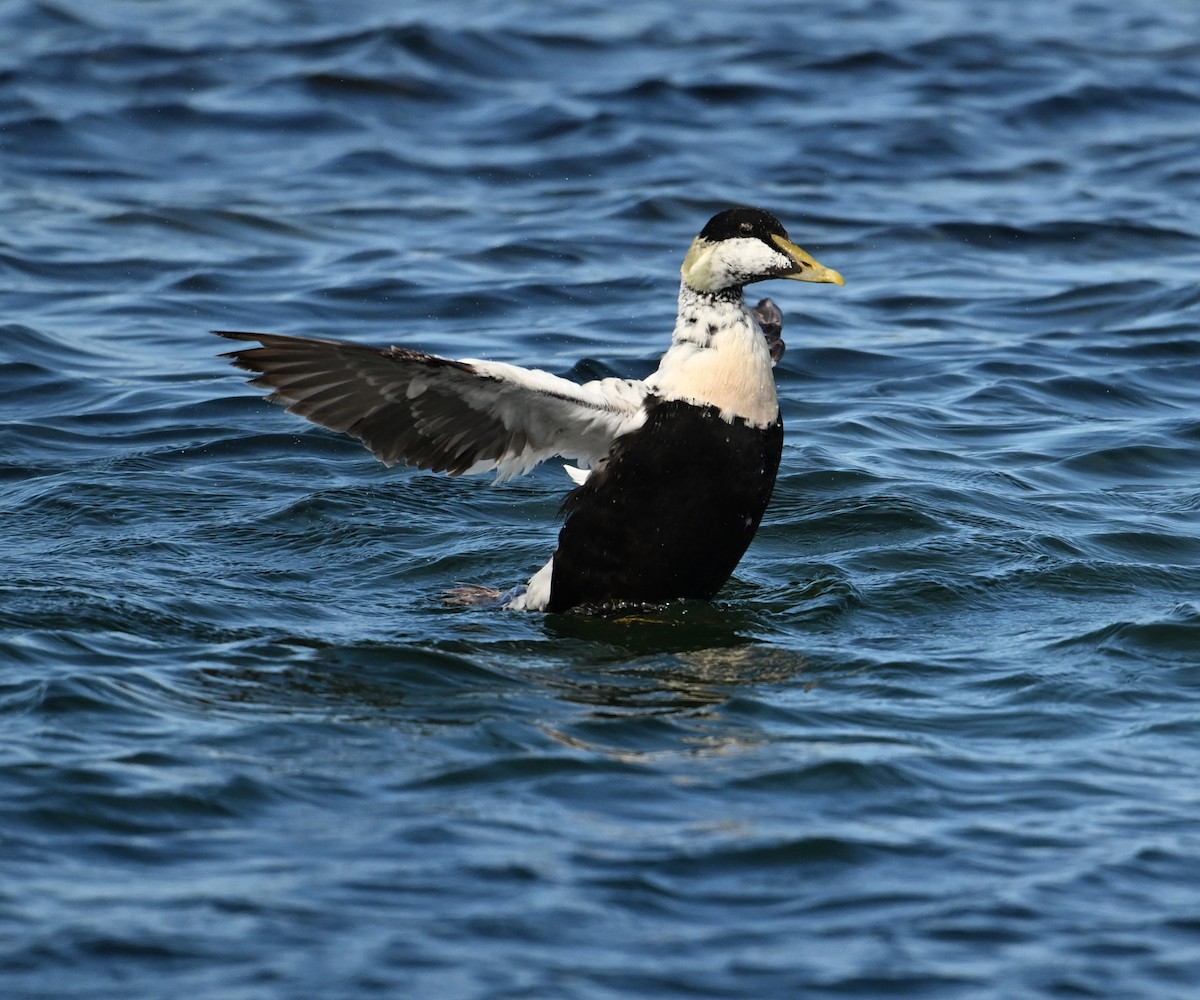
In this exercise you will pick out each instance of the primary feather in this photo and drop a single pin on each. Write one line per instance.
(434, 413)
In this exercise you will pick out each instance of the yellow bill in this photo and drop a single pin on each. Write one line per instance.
(808, 268)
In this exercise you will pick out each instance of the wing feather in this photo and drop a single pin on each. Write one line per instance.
(435, 413)
(770, 321)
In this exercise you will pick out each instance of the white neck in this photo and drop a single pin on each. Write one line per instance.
(718, 357)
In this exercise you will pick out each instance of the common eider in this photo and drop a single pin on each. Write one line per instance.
(673, 472)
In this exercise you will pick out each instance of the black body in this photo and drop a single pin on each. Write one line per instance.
(670, 513)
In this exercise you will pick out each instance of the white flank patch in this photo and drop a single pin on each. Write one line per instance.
(537, 592)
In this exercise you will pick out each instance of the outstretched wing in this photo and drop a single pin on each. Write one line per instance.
(449, 416)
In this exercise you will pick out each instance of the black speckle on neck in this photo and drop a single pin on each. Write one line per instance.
(730, 294)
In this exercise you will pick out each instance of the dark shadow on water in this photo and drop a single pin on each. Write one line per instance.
(681, 682)
(669, 659)
(664, 660)
(676, 627)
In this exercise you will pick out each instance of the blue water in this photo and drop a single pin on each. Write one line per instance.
(938, 737)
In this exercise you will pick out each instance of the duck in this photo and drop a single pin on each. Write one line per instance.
(672, 474)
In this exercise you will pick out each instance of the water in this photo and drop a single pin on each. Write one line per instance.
(936, 739)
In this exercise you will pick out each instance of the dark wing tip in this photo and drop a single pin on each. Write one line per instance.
(239, 355)
(769, 317)
(237, 334)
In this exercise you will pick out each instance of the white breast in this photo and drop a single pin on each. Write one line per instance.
(718, 357)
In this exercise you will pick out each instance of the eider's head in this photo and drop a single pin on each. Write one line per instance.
(743, 245)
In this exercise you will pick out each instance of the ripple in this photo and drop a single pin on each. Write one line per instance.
(937, 735)
(1176, 633)
(1132, 462)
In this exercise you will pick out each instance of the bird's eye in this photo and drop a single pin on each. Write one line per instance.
(746, 227)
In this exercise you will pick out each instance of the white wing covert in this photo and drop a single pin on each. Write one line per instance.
(458, 417)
